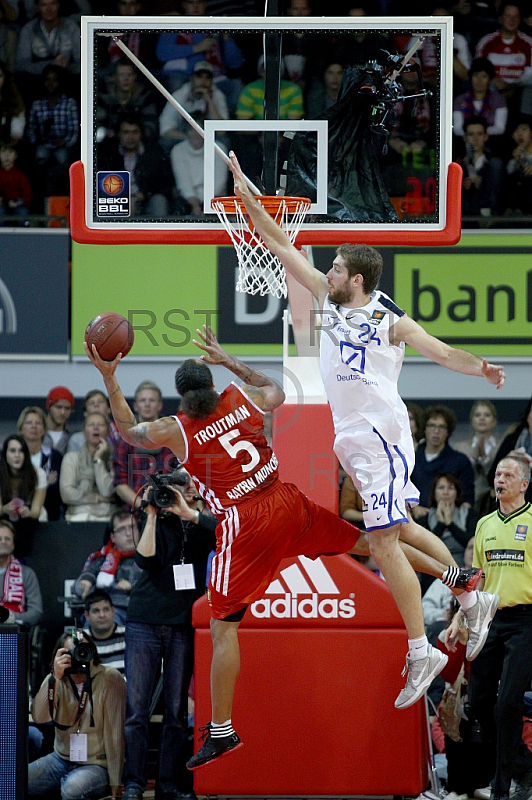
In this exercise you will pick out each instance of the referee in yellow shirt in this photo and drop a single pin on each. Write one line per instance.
(502, 672)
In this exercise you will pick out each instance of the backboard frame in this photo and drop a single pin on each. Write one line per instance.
(85, 229)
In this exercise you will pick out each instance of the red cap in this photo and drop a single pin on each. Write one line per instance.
(59, 393)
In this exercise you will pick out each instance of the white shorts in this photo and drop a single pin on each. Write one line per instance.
(380, 472)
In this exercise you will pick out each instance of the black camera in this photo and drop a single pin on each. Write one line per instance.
(81, 655)
(161, 495)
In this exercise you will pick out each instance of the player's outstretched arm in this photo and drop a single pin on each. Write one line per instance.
(408, 331)
(276, 239)
(122, 414)
(264, 391)
(163, 432)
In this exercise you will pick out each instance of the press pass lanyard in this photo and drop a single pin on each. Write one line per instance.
(86, 696)
(183, 543)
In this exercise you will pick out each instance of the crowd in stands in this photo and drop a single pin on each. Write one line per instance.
(220, 76)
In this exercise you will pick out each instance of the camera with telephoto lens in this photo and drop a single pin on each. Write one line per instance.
(81, 655)
(161, 495)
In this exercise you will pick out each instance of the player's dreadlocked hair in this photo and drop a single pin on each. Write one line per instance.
(193, 381)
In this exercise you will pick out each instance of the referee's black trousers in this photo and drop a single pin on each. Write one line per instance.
(499, 677)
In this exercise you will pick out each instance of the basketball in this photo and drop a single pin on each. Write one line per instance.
(113, 184)
(111, 334)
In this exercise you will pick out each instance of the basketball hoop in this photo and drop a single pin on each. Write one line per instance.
(259, 271)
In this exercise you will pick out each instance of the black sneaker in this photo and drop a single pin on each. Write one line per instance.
(468, 579)
(213, 748)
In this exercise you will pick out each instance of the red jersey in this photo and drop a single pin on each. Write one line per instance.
(509, 57)
(227, 454)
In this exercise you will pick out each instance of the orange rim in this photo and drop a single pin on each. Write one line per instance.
(270, 203)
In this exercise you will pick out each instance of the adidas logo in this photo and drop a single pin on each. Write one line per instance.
(306, 578)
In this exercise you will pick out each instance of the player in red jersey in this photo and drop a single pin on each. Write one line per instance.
(220, 437)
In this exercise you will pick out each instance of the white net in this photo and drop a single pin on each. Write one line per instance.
(259, 271)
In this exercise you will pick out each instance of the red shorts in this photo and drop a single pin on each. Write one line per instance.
(253, 540)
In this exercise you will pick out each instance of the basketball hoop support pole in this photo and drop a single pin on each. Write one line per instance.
(178, 107)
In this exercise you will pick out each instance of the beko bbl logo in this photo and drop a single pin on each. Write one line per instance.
(113, 194)
(311, 579)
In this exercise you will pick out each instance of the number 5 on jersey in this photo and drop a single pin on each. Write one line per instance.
(233, 449)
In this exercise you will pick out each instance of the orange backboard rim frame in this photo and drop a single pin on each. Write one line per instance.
(446, 237)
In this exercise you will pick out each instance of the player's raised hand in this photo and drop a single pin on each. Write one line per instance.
(107, 368)
(215, 352)
(241, 187)
(493, 373)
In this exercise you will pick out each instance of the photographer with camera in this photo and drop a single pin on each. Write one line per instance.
(173, 550)
(86, 702)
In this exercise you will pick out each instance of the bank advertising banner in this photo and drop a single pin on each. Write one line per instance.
(476, 295)
(34, 294)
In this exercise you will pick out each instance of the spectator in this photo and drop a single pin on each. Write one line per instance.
(126, 94)
(509, 50)
(299, 50)
(53, 130)
(141, 44)
(22, 487)
(20, 592)
(59, 404)
(100, 721)
(94, 402)
(435, 456)
(133, 465)
(86, 480)
(108, 636)
(481, 101)
(357, 46)
(430, 57)
(8, 34)
(416, 417)
(159, 631)
(31, 425)
(324, 93)
(470, 20)
(113, 568)
(15, 188)
(179, 52)
(197, 95)
(483, 174)
(449, 518)
(519, 169)
(12, 112)
(251, 100)
(47, 40)
(188, 166)
(480, 448)
(518, 438)
(151, 181)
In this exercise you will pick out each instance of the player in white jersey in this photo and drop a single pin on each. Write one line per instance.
(363, 334)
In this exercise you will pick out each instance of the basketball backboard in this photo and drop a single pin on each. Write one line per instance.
(376, 164)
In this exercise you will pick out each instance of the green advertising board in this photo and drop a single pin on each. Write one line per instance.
(166, 292)
(476, 295)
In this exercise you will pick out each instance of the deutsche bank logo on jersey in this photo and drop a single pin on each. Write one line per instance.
(305, 590)
(113, 194)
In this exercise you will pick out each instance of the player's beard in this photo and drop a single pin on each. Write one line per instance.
(342, 294)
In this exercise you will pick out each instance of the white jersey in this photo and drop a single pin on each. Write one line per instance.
(360, 367)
